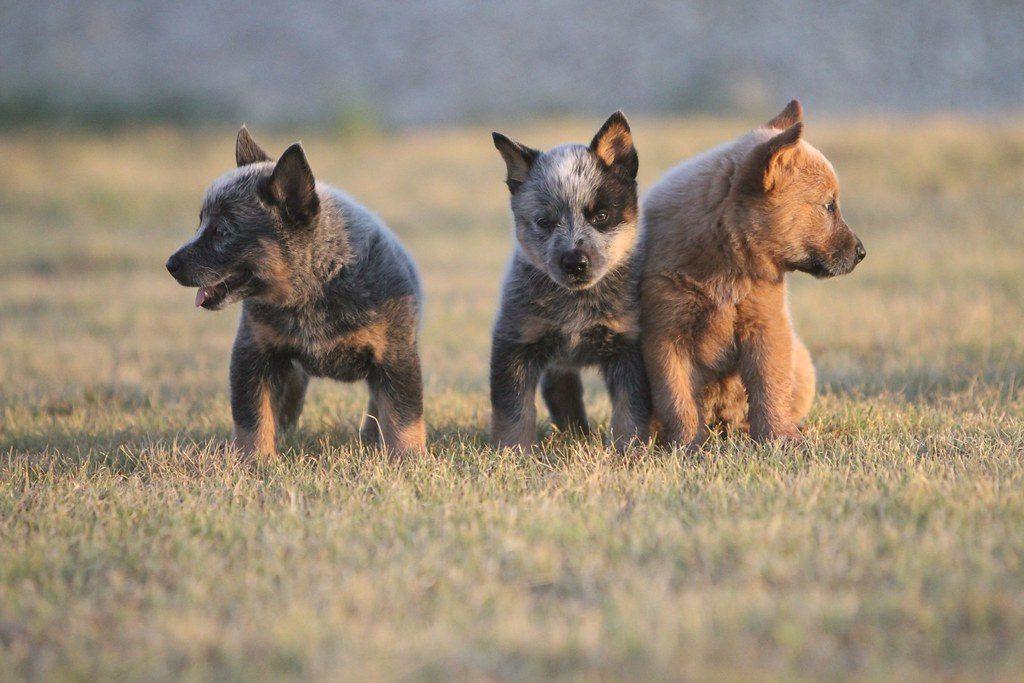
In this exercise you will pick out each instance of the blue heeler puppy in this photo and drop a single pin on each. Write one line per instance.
(570, 296)
(326, 291)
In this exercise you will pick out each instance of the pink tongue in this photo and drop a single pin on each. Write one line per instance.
(202, 295)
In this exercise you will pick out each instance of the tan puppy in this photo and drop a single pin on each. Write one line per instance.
(721, 232)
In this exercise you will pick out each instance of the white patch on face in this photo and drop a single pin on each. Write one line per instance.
(565, 181)
(573, 177)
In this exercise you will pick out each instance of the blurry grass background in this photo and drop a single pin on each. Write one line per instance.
(891, 543)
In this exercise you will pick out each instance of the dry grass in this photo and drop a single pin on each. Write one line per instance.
(891, 543)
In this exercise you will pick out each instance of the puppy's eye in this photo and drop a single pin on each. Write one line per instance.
(544, 223)
(599, 218)
(831, 206)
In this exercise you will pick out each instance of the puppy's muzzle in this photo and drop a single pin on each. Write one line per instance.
(574, 263)
(178, 268)
(174, 265)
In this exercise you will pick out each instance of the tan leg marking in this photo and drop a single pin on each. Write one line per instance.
(262, 439)
(400, 438)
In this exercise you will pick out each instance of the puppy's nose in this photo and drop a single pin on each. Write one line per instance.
(861, 252)
(574, 262)
(174, 264)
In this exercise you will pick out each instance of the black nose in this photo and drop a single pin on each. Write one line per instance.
(174, 265)
(574, 262)
(861, 252)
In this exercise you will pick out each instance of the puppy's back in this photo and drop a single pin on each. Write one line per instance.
(381, 257)
(690, 197)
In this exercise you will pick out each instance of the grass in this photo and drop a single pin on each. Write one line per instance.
(891, 543)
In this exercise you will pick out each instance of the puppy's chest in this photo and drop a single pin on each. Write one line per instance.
(324, 347)
(583, 337)
(715, 342)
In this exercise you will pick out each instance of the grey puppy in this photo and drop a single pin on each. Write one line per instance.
(326, 291)
(570, 297)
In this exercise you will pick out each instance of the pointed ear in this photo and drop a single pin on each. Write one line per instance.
(767, 163)
(518, 160)
(292, 186)
(613, 145)
(793, 113)
(246, 150)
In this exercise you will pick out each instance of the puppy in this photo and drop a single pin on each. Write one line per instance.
(570, 296)
(722, 230)
(326, 291)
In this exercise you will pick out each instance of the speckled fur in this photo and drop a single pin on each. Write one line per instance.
(326, 289)
(549, 327)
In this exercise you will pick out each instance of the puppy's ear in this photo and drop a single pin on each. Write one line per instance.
(292, 186)
(613, 145)
(518, 160)
(793, 113)
(769, 162)
(246, 150)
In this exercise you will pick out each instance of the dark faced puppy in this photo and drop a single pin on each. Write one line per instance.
(570, 294)
(574, 207)
(326, 291)
(248, 233)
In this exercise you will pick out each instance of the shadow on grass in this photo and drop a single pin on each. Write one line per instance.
(462, 436)
(118, 448)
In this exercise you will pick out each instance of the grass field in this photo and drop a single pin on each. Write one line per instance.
(891, 543)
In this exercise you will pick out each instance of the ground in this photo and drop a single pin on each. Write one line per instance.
(890, 543)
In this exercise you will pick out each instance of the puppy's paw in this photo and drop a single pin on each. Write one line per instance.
(406, 452)
(782, 433)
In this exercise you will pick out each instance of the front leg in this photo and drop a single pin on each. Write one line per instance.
(766, 363)
(671, 319)
(630, 393)
(515, 371)
(396, 405)
(674, 386)
(257, 379)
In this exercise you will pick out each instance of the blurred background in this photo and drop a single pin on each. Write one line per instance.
(115, 116)
(890, 543)
(352, 63)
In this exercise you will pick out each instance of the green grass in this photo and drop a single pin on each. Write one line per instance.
(891, 543)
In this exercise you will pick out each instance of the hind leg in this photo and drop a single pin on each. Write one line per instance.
(803, 380)
(563, 394)
(515, 372)
(290, 397)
